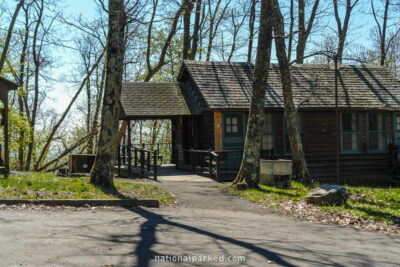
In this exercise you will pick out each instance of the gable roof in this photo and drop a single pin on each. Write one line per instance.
(154, 100)
(225, 85)
(10, 85)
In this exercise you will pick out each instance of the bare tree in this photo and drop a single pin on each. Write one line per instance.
(342, 29)
(189, 4)
(382, 27)
(291, 116)
(196, 31)
(153, 69)
(103, 169)
(252, 19)
(304, 32)
(215, 17)
(248, 175)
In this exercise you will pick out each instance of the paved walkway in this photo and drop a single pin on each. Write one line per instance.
(206, 222)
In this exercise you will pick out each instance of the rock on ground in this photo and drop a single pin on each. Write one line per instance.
(328, 195)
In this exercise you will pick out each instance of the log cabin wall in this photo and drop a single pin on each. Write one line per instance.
(320, 149)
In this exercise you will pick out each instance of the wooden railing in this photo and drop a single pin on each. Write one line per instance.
(216, 163)
(145, 160)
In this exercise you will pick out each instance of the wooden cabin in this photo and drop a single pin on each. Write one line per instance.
(5, 86)
(209, 104)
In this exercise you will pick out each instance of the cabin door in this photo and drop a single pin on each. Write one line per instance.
(397, 131)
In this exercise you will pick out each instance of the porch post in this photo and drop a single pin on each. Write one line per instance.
(129, 149)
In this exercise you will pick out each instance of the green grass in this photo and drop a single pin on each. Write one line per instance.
(379, 204)
(50, 186)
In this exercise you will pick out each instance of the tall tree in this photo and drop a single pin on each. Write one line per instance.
(187, 13)
(9, 34)
(37, 46)
(252, 19)
(304, 31)
(342, 29)
(215, 17)
(196, 31)
(291, 116)
(382, 26)
(153, 69)
(248, 175)
(103, 169)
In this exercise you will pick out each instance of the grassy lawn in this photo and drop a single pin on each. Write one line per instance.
(50, 186)
(378, 204)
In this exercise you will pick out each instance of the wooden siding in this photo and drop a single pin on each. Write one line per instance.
(206, 130)
(320, 148)
(218, 128)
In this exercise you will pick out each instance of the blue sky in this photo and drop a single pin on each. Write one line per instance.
(66, 58)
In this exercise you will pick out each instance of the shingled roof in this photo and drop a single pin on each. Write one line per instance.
(228, 85)
(154, 100)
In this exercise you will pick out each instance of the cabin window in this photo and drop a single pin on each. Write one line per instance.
(233, 125)
(286, 142)
(350, 132)
(376, 132)
(268, 134)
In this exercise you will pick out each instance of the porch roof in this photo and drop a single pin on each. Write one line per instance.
(146, 100)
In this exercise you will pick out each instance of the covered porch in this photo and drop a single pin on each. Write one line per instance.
(166, 101)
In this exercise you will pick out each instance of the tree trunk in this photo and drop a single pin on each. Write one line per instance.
(187, 13)
(196, 31)
(21, 82)
(303, 31)
(252, 19)
(103, 169)
(342, 31)
(290, 43)
(291, 116)
(9, 33)
(36, 60)
(248, 175)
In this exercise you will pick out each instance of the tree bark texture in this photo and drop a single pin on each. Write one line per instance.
(103, 169)
(248, 175)
(303, 31)
(196, 31)
(291, 116)
(187, 13)
(252, 19)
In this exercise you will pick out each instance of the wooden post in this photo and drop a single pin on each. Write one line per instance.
(136, 158)
(142, 162)
(129, 149)
(119, 159)
(210, 163)
(6, 149)
(217, 172)
(217, 130)
(148, 161)
(155, 165)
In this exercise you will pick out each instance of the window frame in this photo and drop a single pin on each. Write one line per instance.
(239, 125)
(302, 135)
(358, 132)
(273, 133)
(377, 131)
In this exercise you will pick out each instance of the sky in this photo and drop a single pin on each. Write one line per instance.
(62, 92)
